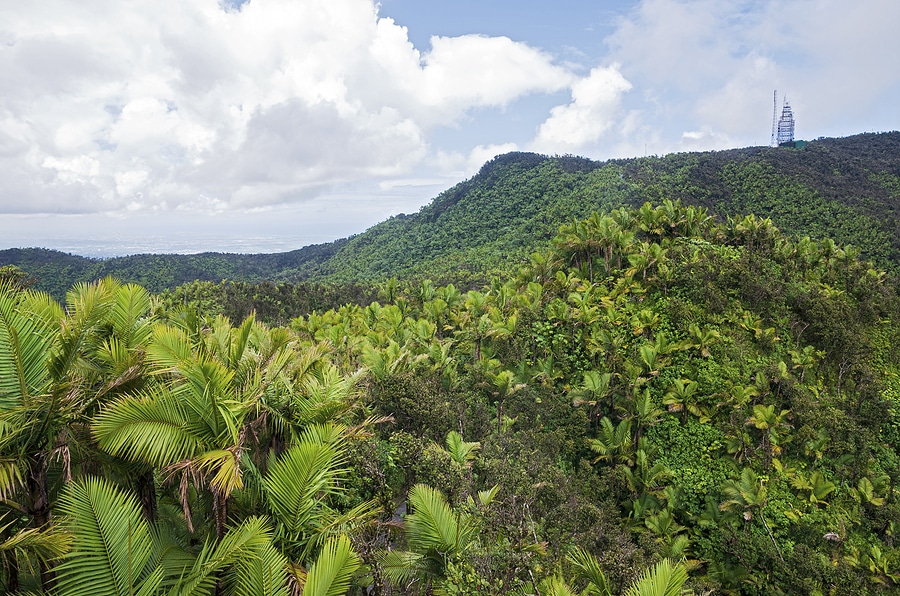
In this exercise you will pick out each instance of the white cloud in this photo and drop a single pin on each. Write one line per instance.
(112, 104)
(181, 106)
(505, 70)
(594, 109)
(458, 165)
(711, 66)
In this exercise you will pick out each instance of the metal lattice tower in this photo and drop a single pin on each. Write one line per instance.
(786, 124)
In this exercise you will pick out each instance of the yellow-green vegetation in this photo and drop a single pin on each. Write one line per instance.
(657, 402)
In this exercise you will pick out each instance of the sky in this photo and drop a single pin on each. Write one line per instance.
(183, 126)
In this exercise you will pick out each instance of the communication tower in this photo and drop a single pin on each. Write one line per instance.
(782, 128)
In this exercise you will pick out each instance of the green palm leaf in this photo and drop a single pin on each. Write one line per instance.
(151, 429)
(87, 306)
(128, 315)
(434, 525)
(243, 542)
(333, 570)
(297, 482)
(461, 451)
(111, 545)
(263, 573)
(29, 546)
(25, 348)
(401, 566)
(555, 586)
(665, 579)
(589, 569)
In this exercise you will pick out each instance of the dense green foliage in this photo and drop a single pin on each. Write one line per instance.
(654, 401)
(273, 304)
(846, 189)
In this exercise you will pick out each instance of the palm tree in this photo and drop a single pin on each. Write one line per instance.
(29, 550)
(435, 535)
(116, 551)
(594, 389)
(297, 489)
(746, 495)
(666, 578)
(193, 421)
(57, 367)
(462, 452)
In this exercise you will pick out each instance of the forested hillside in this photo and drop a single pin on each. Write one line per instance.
(655, 401)
(846, 189)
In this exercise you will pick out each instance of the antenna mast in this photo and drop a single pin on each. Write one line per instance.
(774, 117)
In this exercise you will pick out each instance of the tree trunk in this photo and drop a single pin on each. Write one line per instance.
(145, 487)
(12, 575)
(39, 508)
(220, 511)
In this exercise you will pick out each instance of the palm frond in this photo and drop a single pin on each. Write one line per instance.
(225, 466)
(12, 472)
(664, 579)
(111, 542)
(214, 559)
(262, 573)
(555, 586)
(25, 349)
(33, 545)
(434, 525)
(152, 429)
(87, 306)
(402, 567)
(588, 568)
(461, 451)
(129, 315)
(170, 348)
(297, 482)
(332, 573)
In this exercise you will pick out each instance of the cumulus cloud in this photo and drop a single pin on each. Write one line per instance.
(594, 108)
(708, 67)
(462, 165)
(192, 104)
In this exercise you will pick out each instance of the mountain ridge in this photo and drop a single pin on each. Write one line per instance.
(845, 188)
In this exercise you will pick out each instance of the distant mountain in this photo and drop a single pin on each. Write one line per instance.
(55, 272)
(847, 189)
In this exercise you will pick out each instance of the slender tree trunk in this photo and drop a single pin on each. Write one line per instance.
(39, 507)
(12, 575)
(145, 487)
(220, 511)
(778, 550)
